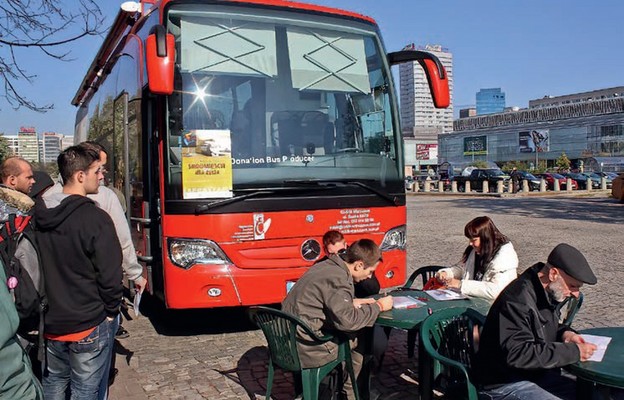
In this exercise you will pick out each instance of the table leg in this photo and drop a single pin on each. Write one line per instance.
(584, 389)
(425, 372)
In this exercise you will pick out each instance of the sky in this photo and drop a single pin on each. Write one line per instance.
(529, 49)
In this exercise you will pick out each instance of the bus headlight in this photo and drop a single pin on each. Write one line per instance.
(185, 253)
(394, 239)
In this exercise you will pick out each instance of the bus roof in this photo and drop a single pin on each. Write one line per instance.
(299, 6)
(120, 25)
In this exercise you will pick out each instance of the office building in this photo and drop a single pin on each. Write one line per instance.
(421, 122)
(419, 118)
(51, 147)
(601, 94)
(467, 112)
(28, 144)
(490, 101)
(67, 141)
(13, 143)
(584, 126)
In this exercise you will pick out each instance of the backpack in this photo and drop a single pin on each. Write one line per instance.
(24, 273)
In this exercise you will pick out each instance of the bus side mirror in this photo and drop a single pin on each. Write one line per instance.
(160, 59)
(436, 74)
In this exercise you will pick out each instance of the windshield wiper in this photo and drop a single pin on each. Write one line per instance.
(252, 192)
(337, 183)
(203, 208)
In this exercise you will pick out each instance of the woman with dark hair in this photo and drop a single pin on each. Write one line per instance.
(488, 264)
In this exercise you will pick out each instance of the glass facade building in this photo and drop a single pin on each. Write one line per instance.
(490, 101)
(580, 130)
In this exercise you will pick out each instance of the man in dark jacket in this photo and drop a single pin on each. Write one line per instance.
(81, 260)
(523, 346)
(324, 299)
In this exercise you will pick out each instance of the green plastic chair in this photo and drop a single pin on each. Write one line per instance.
(448, 337)
(568, 308)
(280, 331)
(425, 273)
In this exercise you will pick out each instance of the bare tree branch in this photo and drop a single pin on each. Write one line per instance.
(47, 25)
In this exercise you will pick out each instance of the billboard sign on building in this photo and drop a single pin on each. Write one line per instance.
(536, 140)
(475, 145)
(426, 151)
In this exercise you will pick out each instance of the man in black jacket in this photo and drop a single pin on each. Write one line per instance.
(81, 260)
(522, 345)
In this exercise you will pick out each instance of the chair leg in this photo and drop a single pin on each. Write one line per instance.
(269, 380)
(412, 336)
(310, 382)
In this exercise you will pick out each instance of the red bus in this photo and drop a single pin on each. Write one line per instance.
(240, 132)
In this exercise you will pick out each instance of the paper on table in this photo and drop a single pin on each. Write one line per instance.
(402, 302)
(445, 294)
(601, 343)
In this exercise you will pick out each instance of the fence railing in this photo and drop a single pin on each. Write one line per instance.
(503, 187)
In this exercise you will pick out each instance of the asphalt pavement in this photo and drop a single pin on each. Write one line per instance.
(217, 354)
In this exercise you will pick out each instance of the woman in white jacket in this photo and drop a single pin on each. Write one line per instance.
(488, 265)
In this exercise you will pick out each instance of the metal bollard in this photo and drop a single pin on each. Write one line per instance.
(499, 188)
(603, 183)
(569, 185)
(486, 187)
(542, 185)
(589, 184)
(453, 186)
(556, 185)
(525, 186)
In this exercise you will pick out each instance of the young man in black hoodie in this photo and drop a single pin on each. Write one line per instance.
(81, 260)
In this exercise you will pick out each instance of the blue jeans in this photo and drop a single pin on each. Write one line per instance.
(522, 390)
(551, 385)
(77, 366)
(103, 392)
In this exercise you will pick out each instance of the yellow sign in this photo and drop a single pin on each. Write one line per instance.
(207, 164)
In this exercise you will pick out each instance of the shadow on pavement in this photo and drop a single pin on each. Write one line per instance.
(251, 373)
(194, 321)
(600, 210)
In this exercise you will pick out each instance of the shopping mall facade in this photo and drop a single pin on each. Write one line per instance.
(585, 126)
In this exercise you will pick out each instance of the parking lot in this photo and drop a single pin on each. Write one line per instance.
(218, 355)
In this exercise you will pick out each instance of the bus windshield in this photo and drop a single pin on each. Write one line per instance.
(265, 97)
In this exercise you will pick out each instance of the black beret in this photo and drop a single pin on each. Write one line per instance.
(572, 262)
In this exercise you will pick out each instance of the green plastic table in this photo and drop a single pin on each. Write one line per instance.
(608, 372)
(411, 318)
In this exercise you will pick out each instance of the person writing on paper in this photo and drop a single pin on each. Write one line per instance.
(522, 345)
(488, 265)
(323, 299)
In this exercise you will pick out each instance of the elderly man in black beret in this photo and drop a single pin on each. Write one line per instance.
(522, 345)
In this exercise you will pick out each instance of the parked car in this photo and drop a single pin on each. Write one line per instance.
(534, 182)
(597, 177)
(611, 175)
(550, 177)
(409, 183)
(478, 176)
(582, 180)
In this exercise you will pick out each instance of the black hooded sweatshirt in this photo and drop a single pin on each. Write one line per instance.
(81, 259)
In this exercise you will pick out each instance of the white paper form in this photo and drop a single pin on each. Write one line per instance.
(445, 294)
(601, 343)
